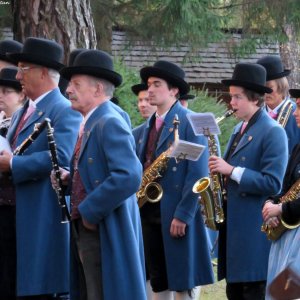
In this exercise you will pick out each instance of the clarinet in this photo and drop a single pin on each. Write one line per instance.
(65, 215)
(38, 128)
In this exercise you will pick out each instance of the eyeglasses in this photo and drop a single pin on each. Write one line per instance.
(6, 91)
(24, 69)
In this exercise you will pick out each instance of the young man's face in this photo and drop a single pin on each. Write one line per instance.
(239, 102)
(159, 92)
(144, 106)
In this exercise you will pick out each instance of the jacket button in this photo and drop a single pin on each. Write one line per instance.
(243, 194)
(174, 169)
(97, 181)
(90, 160)
(243, 158)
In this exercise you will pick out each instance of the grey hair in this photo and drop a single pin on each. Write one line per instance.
(54, 75)
(108, 87)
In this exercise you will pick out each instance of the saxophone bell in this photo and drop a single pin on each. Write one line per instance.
(202, 187)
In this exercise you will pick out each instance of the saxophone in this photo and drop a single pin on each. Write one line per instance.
(275, 233)
(211, 188)
(285, 113)
(150, 190)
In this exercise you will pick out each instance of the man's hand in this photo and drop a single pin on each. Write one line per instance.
(219, 165)
(177, 229)
(5, 158)
(64, 176)
(271, 212)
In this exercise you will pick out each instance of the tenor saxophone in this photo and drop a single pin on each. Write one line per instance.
(211, 189)
(275, 233)
(150, 190)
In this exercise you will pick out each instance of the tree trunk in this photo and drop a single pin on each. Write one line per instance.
(69, 22)
(289, 53)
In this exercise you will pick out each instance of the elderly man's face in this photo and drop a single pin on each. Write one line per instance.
(81, 92)
(30, 76)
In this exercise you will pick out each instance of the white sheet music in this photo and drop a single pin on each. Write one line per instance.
(4, 144)
(203, 122)
(186, 150)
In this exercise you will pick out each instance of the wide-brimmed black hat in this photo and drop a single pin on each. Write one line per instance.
(186, 97)
(295, 93)
(273, 66)
(9, 46)
(168, 71)
(139, 87)
(249, 76)
(8, 78)
(95, 63)
(73, 55)
(42, 52)
(63, 82)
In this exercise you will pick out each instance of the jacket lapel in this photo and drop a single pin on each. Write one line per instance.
(168, 126)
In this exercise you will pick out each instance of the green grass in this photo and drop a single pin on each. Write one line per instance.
(214, 291)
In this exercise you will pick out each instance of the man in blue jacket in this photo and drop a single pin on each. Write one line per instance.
(278, 104)
(253, 166)
(106, 174)
(176, 250)
(42, 241)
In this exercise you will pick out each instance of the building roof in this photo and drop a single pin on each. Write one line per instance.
(215, 64)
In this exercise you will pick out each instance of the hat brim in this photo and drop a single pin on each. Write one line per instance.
(11, 83)
(38, 60)
(111, 76)
(248, 85)
(182, 85)
(278, 75)
(138, 88)
(295, 93)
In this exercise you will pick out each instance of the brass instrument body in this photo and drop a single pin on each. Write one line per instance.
(202, 187)
(151, 191)
(211, 188)
(275, 233)
(285, 113)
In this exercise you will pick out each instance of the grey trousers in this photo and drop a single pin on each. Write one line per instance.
(88, 247)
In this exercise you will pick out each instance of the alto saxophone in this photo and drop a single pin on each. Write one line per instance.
(211, 188)
(151, 191)
(275, 233)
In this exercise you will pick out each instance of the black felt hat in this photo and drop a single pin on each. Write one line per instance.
(8, 78)
(168, 71)
(63, 83)
(249, 76)
(274, 67)
(73, 55)
(295, 93)
(139, 87)
(9, 46)
(42, 52)
(186, 97)
(96, 63)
